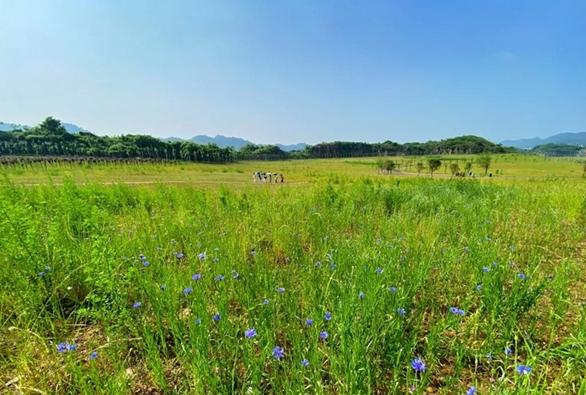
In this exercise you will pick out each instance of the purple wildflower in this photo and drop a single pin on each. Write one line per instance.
(401, 311)
(418, 365)
(304, 362)
(323, 335)
(187, 291)
(136, 305)
(471, 391)
(93, 355)
(328, 316)
(250, 333)
(524, 369)
(196, 277)
(309, 322)
(457, 311)
(217, 317)
(278, 353)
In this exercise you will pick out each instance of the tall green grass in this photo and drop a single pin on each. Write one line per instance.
(508, 255)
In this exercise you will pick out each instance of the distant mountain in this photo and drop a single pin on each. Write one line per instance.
(292, 147)
(8, 127)
(578, 138)
(235, 142)
(70, 127)
(221, 141)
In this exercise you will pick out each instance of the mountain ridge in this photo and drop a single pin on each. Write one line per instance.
(570, 138)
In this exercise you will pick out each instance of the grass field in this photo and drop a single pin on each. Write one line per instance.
(189, 278)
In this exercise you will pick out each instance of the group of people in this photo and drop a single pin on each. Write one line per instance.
(263, 176)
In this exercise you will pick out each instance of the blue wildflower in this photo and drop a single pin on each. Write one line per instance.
(179, 255)
(393, 290)
(522, 276)
(136, 305)
(62, 347)
(278, 353)
(281, 290)
(201, 256)
(146, 263)
(323, 335)
(379, 270)
(524, 369)
(219, 278)
(309, 322)
(187, 291)
(333, 266)
(197, 321)
(485, 269)
(361, 295)
(401, 311)
(196, 277)
(265, 301)
(71, 347)
(304, 362)
(508, 350)
(456, 311)
(217, 317)
(142, 257)
(479, 287)
(418, 365)
(250, 333)
(93, 355)
(328, 316)
(471, 391)
(235, 275)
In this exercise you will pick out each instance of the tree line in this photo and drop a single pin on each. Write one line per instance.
(51, 139)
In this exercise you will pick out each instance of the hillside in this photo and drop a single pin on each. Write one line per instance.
(578, 138)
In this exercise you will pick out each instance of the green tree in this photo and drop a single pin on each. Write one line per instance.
(484, 162)
(454, 168)
(433, 164)
(468, 167)
(419, 166)
(387, 166)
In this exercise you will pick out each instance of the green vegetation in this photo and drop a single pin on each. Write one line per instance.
(476, 277)
(51, 139)
(559, 150)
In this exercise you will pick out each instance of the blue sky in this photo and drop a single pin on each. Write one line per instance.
(297, 71)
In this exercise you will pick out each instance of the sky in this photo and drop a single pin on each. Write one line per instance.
(297, 71)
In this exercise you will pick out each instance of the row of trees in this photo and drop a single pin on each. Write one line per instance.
(456, 145)
(51, 139)
(386, 166)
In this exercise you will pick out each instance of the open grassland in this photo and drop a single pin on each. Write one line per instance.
(340, 281)
(296, 171)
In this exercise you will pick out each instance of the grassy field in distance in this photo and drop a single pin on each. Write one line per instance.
(295, 171)
(189, 278)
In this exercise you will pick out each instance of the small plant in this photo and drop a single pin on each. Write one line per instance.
(484, 162)
(433, 164)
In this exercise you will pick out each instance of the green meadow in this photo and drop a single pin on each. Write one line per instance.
(190, 278)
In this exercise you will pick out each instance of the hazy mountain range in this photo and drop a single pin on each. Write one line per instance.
(561, 138)
(219, 140)
(70, 127)
(234, 142)
(578, 138)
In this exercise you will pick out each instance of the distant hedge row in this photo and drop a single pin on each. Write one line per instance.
(51, 139)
